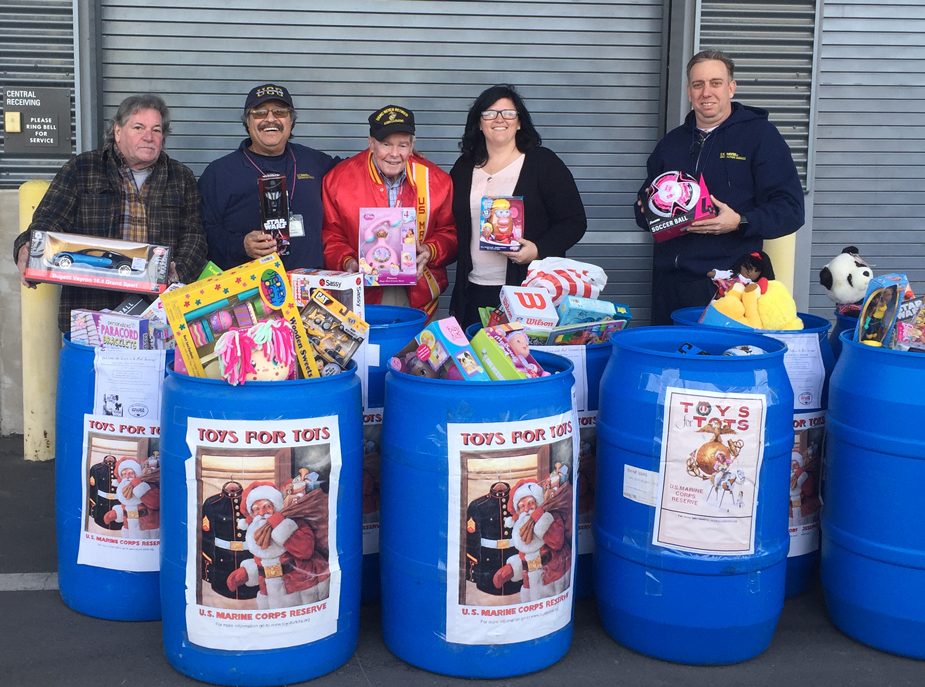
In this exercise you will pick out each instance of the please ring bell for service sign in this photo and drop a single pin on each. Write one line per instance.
(36, 121)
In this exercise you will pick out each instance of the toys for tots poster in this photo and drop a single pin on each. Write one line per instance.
(511, 529)
(121, 495)
(712, 448)
(262, 567)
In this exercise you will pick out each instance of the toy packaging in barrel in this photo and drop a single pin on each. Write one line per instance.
(693, 449)
(390, 328)
(107, 484)
(261, 527)
(873, 547)
(478, 521)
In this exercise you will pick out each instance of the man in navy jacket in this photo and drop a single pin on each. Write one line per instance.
(749, 171)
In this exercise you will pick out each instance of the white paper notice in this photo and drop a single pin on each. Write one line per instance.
(129, 383)
(640, 485)
(577, 354)
(805, 368)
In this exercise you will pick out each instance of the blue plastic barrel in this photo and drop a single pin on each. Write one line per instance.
(256, 436)
(842, 323)
(809, 428)
(873, 544)
(391, 327)
(596, 357)
(433, 614)
(91, 590)
(677, 601)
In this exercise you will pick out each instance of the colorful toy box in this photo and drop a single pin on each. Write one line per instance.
(442, 351)
(880, 309)
(240, 297)
(502, 223)
(578, 310)
(388, 248)
(673, 201)
(344, 287)
(531, 307)
(274, 209)
(334, 332)
(505, 353)
(584, 334)
(97, 263)
(910, 326)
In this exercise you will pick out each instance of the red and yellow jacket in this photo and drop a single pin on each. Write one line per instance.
(356, 183)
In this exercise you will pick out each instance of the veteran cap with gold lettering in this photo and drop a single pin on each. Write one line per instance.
(391, 119)
(269, 91)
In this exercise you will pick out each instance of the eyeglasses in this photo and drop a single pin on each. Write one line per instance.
(278, 112)
(505, 114)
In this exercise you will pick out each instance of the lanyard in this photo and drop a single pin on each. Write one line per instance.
(295, 172)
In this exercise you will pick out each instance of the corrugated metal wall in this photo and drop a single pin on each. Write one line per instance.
(870, 140)
(589, 71)
(36, 49)
(772, 47)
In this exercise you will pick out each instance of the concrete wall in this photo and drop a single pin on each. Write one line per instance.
(10, 319)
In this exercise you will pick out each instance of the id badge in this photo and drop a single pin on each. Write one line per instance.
(295, 226)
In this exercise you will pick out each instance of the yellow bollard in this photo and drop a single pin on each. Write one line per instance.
(41, 346)
(782, 252)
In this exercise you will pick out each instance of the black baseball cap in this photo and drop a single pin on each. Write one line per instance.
(391, 119)
(268, 91)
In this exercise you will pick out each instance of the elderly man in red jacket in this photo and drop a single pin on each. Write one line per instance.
(389, 175)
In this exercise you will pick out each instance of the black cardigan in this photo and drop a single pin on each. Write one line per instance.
(554, 216)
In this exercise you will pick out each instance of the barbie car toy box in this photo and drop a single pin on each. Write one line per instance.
(502, 224)
(238, 298)
(504, 351)
(388, 252)
(673, 201)
(440, 351)
(97, 263)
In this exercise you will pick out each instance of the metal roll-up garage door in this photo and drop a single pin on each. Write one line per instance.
(589, 72)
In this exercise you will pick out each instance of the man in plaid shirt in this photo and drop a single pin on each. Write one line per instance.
(128, 189)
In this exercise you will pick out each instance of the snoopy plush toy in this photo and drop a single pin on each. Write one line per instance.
(845, 280)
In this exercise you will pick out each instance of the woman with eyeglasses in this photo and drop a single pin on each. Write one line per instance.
(502, 157)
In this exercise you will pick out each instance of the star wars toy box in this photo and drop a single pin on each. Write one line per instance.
(673, 201)
(880, 309)
(344, 287)
(240, 297)
(910, 326)
(274, 209)
(504, 352)
(388, 248)
(440, 351)
(502, 223)
(97, 263)
(334, 332)
(531, 307)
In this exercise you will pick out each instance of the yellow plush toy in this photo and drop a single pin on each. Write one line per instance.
(774, 309)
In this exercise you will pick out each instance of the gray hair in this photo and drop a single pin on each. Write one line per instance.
(293, 116)
(134, 104)
(706, 56)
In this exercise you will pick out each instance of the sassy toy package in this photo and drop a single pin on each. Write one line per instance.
(334, 332)
(673, 201)
(388, 247)
(502, 224)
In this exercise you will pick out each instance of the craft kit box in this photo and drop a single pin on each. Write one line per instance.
(388, 249)
(240, 297)
(504, 353)
(674, 201)
(97, 263)
(502, 224)
(334, 331)
(531, 307)
(344, 287)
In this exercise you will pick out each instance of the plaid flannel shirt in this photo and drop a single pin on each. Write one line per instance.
(85, 197)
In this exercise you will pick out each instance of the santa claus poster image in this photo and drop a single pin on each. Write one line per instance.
(712, 448)
(805, 469)
(587, 455)
(372, 439)
(262, 569)
(121, 495)
(510, 529)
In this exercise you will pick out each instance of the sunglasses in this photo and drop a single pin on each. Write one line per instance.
(505, 114)
(278, 112)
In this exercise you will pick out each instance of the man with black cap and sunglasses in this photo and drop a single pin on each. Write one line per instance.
(749, 171)
(388, 174)
(230, 196)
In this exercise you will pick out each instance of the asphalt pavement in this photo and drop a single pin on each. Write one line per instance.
(45, 643)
